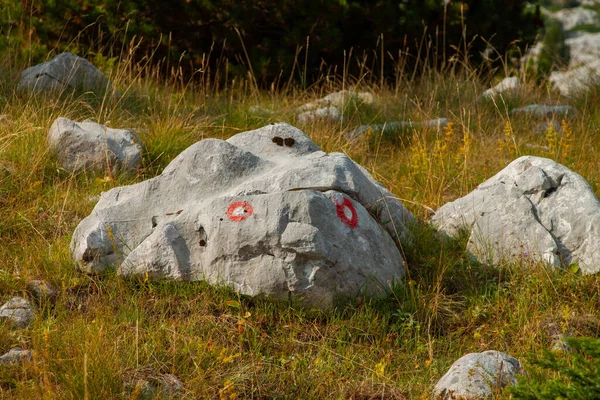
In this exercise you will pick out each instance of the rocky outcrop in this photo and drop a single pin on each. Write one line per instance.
(92, 146)
(477, 376)
(533, 209)
(265, 212)
(65, 72)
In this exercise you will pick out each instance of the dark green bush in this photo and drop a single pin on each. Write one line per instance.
(273, 31)
(578, 374)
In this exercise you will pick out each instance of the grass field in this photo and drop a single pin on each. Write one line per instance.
(225, 346)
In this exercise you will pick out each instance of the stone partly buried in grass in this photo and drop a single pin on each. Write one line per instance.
(88, 145)
(533, 209)
(265, 212)
(477, 376)
(65, 72)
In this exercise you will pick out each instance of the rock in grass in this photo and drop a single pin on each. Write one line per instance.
(339, 100)
(324, 114)
(16, 356)
(533, 209)
(576, 80)
(265, 212)
(477, 376)
(508, 85)
(18, 312)
(65, 72)
(41, 290)
(149, 384)
(92, 146)
(390, 128)
(545, 111)
(571, 18)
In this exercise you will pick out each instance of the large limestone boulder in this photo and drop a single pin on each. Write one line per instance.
(533, 209)
(65, 72)
(477, 376)
(264, 212)
(92, 146)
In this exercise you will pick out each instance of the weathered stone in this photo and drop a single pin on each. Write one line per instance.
(264, 212)
(507, 85)
(533, 209)
(339, 100)
(545, 111)
(149, 384)
(571, 18)
(327, 113)
(16, 356)
(89, 145)
(65, 72)
(18, 312)
(41, 290)
(477, 376)
(258, 110)
(397, 126)
(576, 81)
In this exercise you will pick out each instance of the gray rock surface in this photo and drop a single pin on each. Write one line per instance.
(397, 126)
(326, 113)
(264, 212)
(545, 111)
(149, 384)
(89, 145)
(18, 312)
(571, 18)
(477, 376)
(41, 290)
(506, 86)
(543, 127)
(534, 208)
(16, 356)
(65, 72)
(339, 100)
(577, 80)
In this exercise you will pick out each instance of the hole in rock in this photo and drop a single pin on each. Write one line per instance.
(549, 192)
(278, 141)
(202, 236)
(289, 142)
(154, 222)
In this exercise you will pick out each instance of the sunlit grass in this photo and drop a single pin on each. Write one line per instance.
(224, 346)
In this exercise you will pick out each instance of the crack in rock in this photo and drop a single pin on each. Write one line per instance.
(535, 209)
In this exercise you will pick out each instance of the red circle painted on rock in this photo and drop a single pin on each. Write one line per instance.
(239, 211)
(341, 207)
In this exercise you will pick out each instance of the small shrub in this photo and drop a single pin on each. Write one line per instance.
(578, 375)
